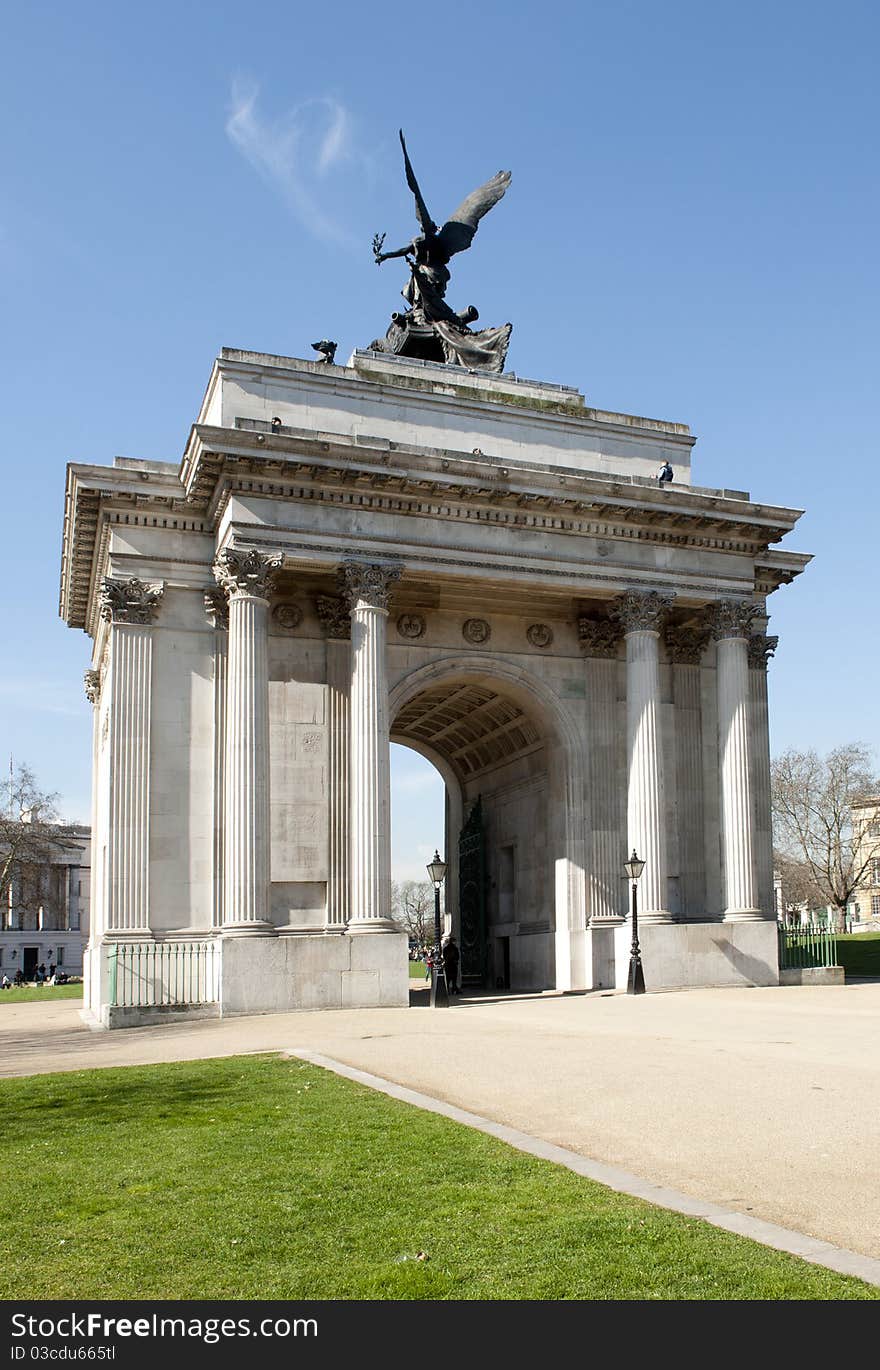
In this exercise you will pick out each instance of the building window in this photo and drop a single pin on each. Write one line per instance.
(875, 905)
(875, 870)
(59, 957)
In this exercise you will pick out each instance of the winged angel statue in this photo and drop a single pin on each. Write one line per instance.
(429, 328)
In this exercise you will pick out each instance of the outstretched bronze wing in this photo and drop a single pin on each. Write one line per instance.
(458, 231)
(427, 223)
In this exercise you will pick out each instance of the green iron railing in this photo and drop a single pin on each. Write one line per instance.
(806, 946)
(152, 974)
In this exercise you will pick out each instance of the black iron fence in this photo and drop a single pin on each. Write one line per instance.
(807, 945)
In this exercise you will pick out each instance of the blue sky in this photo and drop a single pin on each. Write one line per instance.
(691, 234)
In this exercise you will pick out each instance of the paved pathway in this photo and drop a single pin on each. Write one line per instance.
(762, 1101)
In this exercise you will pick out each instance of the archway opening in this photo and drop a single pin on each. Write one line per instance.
(505, 821)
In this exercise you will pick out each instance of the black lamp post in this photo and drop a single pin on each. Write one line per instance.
(636, 981)
(439, 989)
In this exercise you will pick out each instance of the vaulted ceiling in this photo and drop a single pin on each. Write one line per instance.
(474, 726)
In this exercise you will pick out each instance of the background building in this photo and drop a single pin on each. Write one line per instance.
(46, 910)
(866, 829)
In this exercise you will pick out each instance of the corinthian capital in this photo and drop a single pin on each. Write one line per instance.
(92, 682)
(640, 611)
(685, 643)
(731, 618)
(217, 608)
(129, 601)
(599, 636)
(367, 584)
(761, 648)
(334, 615)
(247, 573)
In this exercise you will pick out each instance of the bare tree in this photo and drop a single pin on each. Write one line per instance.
(412, 904)
(813, 822)
(28, 831)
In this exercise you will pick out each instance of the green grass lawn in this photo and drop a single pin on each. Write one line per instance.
(259, 1178)
(417, 970)
(859, 953)
(29, 994)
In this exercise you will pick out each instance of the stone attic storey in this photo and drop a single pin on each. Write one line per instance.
(481, 567)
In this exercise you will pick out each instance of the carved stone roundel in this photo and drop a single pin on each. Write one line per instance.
(287, 616)
(539, 634)
(475, 630)
(411, 625)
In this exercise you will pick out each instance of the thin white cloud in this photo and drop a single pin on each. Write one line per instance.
(297, 153)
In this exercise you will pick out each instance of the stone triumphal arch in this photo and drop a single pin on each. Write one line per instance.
(481, 567)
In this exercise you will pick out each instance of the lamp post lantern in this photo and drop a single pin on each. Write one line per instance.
(439, 988)
(636, 980)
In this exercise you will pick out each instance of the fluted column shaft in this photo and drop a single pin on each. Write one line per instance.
(128, 827)
(218, 611)
(731, 630)
(646, 808)
(685, 644)
(370, 769)
(641, 616)
(366, 589)
(129, 606)
(601, 639)
(689, 765)
(247, 577)
(336, 622)
(246, 873)
(338, 686)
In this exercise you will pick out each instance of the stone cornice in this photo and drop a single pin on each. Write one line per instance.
(418, 482)
(381, 464)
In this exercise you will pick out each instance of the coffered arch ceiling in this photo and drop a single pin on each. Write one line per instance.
(475, 726)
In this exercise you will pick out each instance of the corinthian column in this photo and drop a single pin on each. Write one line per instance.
(129, 607)
(641, 615)
(247, 579)
(731, 625)
(600, 639)
(366, 590)
(336, 622)
(217, 609)
(760, 649)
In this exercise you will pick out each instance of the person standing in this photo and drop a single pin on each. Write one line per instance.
(450, 964)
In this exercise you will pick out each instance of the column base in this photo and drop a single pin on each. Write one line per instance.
(743, 916)
(656, 916)
(357, 926)
(254, 927)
